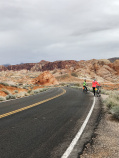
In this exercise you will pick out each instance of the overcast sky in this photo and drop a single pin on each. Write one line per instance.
(34, 30)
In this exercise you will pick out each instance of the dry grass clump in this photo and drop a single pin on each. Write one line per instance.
(62, 77)
(33, 92)
(112, 102)
(15, 91)
(27, 86)
(6, 91)
(2, 98)
(115, 112)
(74, 74)
(77, 85)
(21, 94)
(109, 92)
(4, 84)
(10, 96)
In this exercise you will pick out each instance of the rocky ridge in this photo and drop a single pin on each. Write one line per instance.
(103, 69)
(26, 66)
(113, 59)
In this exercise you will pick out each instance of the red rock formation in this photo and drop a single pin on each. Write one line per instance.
(2, 68)
(102, 68)
(45, 78)
(116, 66)
(38, 66)
(26, 66)
(67, 64)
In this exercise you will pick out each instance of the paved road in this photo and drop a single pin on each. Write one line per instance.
(46, 130)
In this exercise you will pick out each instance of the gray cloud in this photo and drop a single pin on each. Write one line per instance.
(57, 30)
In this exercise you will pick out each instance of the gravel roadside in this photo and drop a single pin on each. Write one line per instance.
(106, 142)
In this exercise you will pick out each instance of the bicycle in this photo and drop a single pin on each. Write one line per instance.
(98, 91)
(85, 89)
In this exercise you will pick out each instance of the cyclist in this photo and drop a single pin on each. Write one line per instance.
(94, 83)
(85, 85)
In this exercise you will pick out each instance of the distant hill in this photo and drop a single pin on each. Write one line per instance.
(102, 69)
(112, 60)
(6, 65)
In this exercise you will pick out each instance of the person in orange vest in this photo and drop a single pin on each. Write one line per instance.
(94, 83)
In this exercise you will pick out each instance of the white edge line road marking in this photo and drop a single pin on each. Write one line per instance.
(78, 135)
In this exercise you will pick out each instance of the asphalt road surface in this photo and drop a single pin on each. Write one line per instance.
(45, 130)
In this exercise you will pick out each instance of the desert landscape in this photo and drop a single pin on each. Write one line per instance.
(105, 71)
(22, 80)
(51, 54)
(30, 78)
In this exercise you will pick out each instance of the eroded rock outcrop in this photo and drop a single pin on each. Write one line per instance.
(45, 78)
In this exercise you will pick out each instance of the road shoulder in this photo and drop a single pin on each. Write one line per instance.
(105, 142)
(88, 133)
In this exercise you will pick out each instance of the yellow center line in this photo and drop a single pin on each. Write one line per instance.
(33, 105)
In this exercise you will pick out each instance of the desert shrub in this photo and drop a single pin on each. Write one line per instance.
(6, 91)
(16, 91)
(10, 96)
(112, 102)
(78, 84)
(20, 84)
(29, 91)
(39, 90)
(32, 92)
(115, 111)
(31, 86)
(43, 89)
(13, 85)
(27, 94)
(115, 95)
(75, 87)
(36, 91)
(4, 84)
(21, 94)
(28, 86)
(103, 91)
(2, 98)
(63, 77)
(25, 87)
(106, 92)
(62, 84)
(74, 74)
